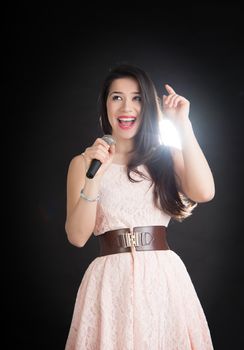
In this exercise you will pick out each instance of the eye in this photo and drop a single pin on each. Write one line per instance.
(116, 98)
(137, 98)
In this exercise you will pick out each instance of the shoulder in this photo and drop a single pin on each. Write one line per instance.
(77, 163)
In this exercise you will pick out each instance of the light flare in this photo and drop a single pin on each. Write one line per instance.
(169, 135)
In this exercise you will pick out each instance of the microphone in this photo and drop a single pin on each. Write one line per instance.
(95, 163)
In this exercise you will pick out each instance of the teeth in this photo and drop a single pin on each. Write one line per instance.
(126, 119)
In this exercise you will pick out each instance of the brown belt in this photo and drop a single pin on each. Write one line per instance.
(142, 238)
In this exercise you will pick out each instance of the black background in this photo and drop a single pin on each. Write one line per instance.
(56, 58)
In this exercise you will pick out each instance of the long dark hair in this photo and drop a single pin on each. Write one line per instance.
(148, 149)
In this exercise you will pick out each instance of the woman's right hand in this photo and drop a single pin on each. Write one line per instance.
(101, 151)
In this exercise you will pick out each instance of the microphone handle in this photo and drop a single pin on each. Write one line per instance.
(95, 165)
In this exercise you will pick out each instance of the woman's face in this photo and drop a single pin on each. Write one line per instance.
(124, 107)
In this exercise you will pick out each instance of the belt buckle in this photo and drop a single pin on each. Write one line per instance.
(131, 239)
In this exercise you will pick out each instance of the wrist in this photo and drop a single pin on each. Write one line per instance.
(184, 124)
(91, 189)
(184, 128)
(88, 198)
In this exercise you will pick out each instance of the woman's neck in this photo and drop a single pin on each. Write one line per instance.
(123, 150)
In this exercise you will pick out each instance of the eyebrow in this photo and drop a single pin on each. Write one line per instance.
(119, 92)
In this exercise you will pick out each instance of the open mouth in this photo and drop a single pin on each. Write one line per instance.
(126, 122)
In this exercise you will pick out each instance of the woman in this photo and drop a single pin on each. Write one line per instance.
(137, 293)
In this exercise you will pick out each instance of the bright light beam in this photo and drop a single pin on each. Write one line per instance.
(168, 134)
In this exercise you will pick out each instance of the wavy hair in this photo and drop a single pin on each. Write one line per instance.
(148, 149)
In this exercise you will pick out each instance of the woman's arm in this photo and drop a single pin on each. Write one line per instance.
(81, 213)
(193, 174)
(192, 170)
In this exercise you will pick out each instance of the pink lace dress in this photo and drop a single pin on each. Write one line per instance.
(140, 300)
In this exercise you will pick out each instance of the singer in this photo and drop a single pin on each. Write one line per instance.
(137, 294)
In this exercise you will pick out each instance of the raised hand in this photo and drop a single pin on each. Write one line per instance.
(175, 107)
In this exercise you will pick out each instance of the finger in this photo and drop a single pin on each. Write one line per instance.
(169, 89)
(168, 100)
(103, 148)
(98, 152)
(164, 100)
(172, 101)
(177, 100)
(100, 141)
(101, 155)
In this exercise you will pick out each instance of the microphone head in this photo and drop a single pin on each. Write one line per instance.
(108, 138)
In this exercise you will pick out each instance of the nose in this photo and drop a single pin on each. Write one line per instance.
(127, 105)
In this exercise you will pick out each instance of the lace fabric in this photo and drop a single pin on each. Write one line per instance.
(126, 204)
(135, 301)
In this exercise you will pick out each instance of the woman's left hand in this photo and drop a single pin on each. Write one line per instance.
(175, 107)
